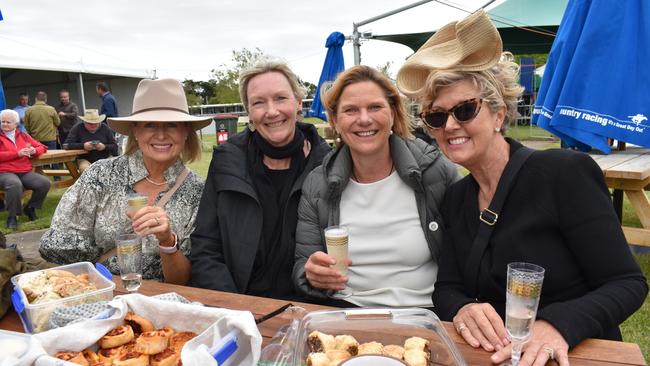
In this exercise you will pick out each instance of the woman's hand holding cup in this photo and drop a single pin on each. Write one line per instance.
(321, 274)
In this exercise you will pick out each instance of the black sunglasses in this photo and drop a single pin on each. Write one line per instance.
(462, 112)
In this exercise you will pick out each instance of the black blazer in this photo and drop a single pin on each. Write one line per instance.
(558, 215)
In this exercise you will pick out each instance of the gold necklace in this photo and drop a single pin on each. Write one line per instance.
(154, 183)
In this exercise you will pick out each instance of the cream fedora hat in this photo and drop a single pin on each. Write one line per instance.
(92, 116)
(472, 44)
(161, 100)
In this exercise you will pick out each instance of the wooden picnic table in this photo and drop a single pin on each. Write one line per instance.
(629, 171)
(589, 352)
(66, 157)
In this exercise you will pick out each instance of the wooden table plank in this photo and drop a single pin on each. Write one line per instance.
(67, 157)
(637, 168)
(589, 352)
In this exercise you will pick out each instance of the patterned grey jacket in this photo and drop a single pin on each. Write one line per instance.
(92, 213)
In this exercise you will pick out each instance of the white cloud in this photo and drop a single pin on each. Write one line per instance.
(186, 39)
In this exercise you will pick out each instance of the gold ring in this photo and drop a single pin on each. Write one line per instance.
(550, 352)
(461, 327)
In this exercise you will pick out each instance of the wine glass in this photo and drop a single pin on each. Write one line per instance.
(522, 297)
(336, 239)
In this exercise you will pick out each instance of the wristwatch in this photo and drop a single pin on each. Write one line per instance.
(169, 250)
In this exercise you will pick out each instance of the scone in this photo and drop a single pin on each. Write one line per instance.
(74, 357)
(416, 357)
(320, 342)
(371, 348)
(168, 357)
(317, 359)
(117, 337)
(347, 343)
(417, 343)
(394, 351)
(336, 356)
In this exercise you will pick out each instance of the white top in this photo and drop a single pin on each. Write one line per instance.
(391, 261)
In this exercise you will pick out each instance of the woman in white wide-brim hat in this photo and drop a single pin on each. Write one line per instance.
(93, 212)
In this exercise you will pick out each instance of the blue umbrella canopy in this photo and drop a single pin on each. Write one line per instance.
(596, 80)
(334, 64)
(3, 105)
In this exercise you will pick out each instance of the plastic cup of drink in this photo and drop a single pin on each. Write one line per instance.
(336, 239)
(136, 201)
(129, 258)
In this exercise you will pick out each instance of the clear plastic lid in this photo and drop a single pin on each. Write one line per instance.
(384, 325)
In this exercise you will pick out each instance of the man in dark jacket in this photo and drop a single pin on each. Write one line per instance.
(94, 137)
(68, 112)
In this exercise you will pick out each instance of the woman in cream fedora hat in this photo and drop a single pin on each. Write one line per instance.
(554, 211)
(93, 212)
(93, 136)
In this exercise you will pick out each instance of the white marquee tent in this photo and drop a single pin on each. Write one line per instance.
(29, 66)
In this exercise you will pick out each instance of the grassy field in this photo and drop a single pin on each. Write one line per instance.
(636, 329)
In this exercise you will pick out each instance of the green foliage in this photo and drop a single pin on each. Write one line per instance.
(636, 328)
(385, 69)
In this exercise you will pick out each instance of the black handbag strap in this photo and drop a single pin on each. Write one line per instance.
(489, 216)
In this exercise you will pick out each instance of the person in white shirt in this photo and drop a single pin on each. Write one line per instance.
(385, 186)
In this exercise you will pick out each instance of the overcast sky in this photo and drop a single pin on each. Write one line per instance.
(188, 38)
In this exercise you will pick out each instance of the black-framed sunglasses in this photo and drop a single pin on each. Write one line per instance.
(462, 112)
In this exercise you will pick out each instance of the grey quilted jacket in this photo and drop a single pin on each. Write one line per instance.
(420, 165)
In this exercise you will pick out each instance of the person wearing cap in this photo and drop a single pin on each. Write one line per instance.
(93, 212)
(385, 186)
(16, 175)
(94, 137)
(555, 213)
(244, 237)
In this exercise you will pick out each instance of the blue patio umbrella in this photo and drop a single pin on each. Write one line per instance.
(334, 64)
(597, 81)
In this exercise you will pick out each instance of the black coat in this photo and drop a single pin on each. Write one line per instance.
(229, 220)
(558, 215)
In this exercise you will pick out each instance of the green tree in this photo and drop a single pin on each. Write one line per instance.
(385, 69)
(226, 79)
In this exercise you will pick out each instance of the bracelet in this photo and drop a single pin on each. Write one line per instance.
(169, 250)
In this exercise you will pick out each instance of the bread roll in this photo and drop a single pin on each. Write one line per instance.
(108, 354)
(151, 343)
(178, 340)
(74, 357)
(168, 357)
(138, 323)
(347, 343)
(394, 351)
(320, 342)
(336, 356)
(417, 343)
(416, 357)
(371, 348)
(132, 359)
(317, 359)
(117, 337)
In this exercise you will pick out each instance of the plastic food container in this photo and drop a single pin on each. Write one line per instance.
(36, 317)
(384, 325)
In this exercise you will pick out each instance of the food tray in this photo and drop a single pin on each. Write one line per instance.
(384, 325)
(36, 317)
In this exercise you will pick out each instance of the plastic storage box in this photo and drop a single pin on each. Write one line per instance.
(387, 326)
(36, 317)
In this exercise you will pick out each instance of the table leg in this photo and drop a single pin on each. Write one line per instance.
(617, 200)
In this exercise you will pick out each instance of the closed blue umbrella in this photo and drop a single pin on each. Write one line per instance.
(3, 105)
(597, 83)
(334, 64)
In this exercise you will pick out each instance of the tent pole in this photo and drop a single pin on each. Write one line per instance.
(356, 36)
(81, 93)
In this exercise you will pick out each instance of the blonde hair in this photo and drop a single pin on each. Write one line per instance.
(356, 74)
(498, 86)
(262, 67)
(191, 149)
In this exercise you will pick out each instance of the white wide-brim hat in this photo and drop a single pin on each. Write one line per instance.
(161, 100)
(472, 44)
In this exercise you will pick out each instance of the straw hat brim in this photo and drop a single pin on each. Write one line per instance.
(122, 125)
(93, 120)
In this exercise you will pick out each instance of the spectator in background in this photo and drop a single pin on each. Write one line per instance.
(23, 104)
(68, 113)
(93, 136)
(41, 121)
(109, 104)
(16, 173)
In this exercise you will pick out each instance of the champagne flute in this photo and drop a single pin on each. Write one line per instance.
(336, 239)
(522, 298)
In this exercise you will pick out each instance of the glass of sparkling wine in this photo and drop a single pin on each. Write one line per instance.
(129, 258)
(136, 201)
(336, 239)
(522, 297)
